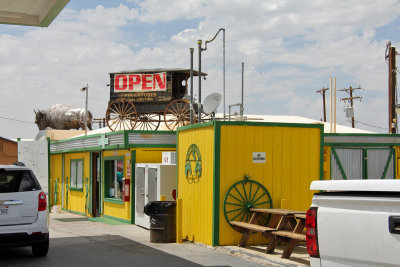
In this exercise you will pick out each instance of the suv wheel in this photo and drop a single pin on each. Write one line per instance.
(40, 249)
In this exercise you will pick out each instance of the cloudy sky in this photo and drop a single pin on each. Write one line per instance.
(290, 49)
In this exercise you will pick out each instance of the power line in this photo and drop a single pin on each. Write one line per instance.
(372, 125)
(11, 119)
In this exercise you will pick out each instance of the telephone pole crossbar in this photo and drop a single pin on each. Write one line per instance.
(350, 100)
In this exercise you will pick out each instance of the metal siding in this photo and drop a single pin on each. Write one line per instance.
(115, 139)
(366, 139)
(151, 139)
(352, 163)
(75, 144)
(376, 163)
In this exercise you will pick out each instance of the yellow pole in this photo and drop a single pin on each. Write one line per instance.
(179, 220)
(283, 203)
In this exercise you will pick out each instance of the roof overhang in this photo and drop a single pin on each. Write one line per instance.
(30, 12)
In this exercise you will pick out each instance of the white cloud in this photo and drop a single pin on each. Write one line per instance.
(290, 49)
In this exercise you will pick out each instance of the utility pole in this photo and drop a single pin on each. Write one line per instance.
(391, 56)
(350, 100)
(322, 92)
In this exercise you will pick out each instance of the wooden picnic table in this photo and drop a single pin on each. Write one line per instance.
(282, 224)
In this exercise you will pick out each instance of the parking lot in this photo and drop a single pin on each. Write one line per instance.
(76, 241)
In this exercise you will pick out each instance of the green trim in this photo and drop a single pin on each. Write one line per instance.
(113, 200)
(350, 144)
(112, 133)
(152, 145)
(76, 189)
(195, 126)
(387, 164)
(252, 123)
(48, 174)
(133, 182)
(321, 154)
(55, 10)
(76, 174)
(126, 139)
(362, 134)
(114, 147)
(106, 168)
(216, 183)
(126, 144)
(116, 219)
(90, 184)
(106, 221)
(394, 163)
(74, 212)
(114, 158)
(365, 164)
(77, 150)
(339, 163)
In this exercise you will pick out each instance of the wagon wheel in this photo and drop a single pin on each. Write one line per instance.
(177, 114)
(121, 115)
(148, 122)
(244, 195)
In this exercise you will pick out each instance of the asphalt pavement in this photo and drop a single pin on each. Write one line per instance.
(77, 241)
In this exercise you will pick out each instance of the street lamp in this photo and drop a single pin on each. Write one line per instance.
(86, 89)
(199, 42)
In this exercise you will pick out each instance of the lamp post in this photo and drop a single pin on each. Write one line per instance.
(86, 89)
(223, 62)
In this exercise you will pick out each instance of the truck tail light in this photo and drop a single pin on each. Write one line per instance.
(42, 202)
(311, 235)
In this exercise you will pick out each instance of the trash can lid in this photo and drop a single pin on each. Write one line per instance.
(159, 207)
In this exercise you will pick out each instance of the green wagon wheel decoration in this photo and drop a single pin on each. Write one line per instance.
(244, 195)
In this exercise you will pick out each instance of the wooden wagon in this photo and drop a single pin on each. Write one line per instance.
(140, 99)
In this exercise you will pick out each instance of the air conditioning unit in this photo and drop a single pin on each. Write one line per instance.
(169, 158)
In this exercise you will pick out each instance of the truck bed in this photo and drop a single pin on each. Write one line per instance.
(353, 226)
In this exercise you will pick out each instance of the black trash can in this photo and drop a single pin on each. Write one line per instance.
(162, 221)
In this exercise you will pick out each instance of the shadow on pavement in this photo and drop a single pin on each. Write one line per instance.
(106, 250)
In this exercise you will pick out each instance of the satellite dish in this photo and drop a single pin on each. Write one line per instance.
(211, 103)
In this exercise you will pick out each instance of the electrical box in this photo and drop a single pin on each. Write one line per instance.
(169, 158)
(152, 180)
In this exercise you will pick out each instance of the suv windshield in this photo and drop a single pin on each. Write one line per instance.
(17, 181)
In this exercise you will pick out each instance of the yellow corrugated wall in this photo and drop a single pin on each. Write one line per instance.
(397, 157)
(76, 199)
(327, 163)
(56, 174)
(150, 155)
(197, 198)
(292, 162)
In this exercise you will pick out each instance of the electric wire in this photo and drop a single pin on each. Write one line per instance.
(11, 119)
(371, 125)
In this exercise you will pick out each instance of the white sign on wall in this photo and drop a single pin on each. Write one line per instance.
(34, 154)
(258, 157)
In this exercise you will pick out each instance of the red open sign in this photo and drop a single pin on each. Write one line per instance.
(140, 82)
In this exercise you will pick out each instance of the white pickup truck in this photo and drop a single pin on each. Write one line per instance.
(354, 223)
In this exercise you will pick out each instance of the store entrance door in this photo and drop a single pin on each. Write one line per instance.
(96, 171)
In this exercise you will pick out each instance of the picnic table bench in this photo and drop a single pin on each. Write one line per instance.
(283, 223)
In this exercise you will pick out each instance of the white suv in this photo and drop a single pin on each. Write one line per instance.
(23, 210)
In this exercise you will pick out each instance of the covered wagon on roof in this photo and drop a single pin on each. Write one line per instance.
(140, 99)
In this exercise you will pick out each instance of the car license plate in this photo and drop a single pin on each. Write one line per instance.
(3, 210)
